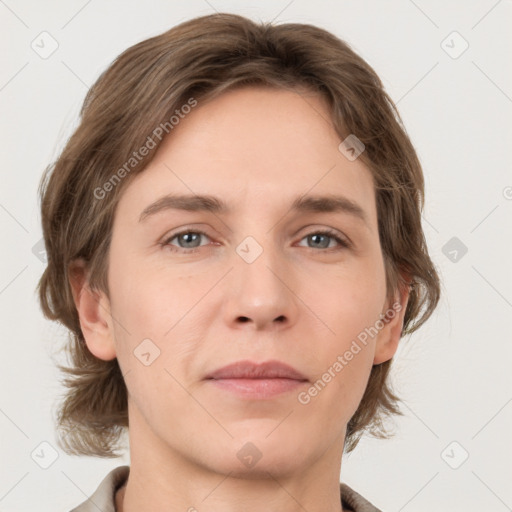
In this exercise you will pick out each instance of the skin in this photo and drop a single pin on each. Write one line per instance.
(298, 302)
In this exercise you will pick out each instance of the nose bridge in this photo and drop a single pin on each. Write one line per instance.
(260, 261)
(260, 283)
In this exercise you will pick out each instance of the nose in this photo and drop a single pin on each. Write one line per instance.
(260, 292)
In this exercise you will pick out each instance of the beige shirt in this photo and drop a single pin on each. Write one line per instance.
(103, 497)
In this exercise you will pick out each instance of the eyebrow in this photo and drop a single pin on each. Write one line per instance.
(209, 203)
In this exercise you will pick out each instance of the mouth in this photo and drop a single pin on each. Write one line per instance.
(257, 381)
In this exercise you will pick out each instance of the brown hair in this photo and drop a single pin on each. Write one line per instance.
(142, 90)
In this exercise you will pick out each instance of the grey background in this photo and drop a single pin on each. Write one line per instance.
(454, 374)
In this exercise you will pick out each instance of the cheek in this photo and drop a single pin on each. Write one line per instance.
(344, 356)
(348, 304)
(153, 313)
(146, 300)
(348, 301)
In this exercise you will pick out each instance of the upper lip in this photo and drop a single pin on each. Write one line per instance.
(248, 370)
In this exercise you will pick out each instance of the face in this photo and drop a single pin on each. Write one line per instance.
(195, 289)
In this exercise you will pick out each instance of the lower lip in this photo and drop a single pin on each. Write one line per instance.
(257, 388)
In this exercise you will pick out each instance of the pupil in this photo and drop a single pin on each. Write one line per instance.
(315, 237)
(188, 237)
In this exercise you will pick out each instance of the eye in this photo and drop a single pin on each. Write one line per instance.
(190, 241)
(318, 238)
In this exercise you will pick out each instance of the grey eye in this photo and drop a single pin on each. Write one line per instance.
(186, 239)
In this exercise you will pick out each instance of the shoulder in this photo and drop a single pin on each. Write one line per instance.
(352, 501)
(103, 497)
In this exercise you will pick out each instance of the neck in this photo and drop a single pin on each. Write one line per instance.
(177, 476)
(284, 502)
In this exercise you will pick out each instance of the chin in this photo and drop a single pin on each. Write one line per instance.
(256, 457)
(280, 466)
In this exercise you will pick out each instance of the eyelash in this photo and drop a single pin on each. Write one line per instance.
(327, 232)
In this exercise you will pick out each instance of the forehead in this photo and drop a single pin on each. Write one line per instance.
(253, 144)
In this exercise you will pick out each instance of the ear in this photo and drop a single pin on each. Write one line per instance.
(393, 318)
(93, 309)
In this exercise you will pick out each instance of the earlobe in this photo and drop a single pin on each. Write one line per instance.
(389, 337)
(93, 309)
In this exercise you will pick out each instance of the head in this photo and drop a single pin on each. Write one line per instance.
(251, 115)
